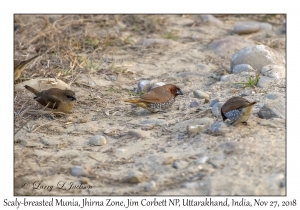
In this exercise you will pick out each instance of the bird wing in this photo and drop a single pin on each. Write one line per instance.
(157, 95)
(51, 100)
(235, 103)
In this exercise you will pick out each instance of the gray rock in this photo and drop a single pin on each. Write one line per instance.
(272, 110)
(246, 28)
(154, 121)
(273, 71)
(216, 109)
(213, 102)
(139, 133)
(180, 164)
(144, 86)
(257, 56)
(150, 186)
(224, 78)
(194, 104)
(242, 68)
(201, 95)
(193, 130)
(219, 128)
(283, 28)
(211, 20)
(198, 121)
(265, 26)
(79, 171)
(264, 81)
(135, 177)
(98, 140)
(228, 46)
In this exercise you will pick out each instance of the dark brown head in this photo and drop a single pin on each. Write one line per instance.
(175, 91)
(70, 95)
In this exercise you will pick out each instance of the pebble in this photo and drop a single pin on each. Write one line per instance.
(98, 140)
(242, 68)
(216, 109)
(135, 177)
(144, 86)
(272, 110)
(264, 81)
(257, 56)
(283, 28)
(211, 20)
(265, 26)
(79, 171)
(150, 186)
(139, 133)
(83, 120)
(273, 71)
(246, 28)
(193, 130)
(158, 84)
(229, 45)
(219, 127)
(169, 160)
(213, 102)
(224, 78)
(205, 121)
(154, 121)
(201, 95)
(194, 104)
(179, 164)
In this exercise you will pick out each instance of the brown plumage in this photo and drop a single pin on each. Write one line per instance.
(157, 99)
(55, 98)
(237, 109)
(19, 66)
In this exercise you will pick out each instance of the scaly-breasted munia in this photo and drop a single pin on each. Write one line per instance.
(157, 99)
(237, 109)
(55, 98)
(19, 66)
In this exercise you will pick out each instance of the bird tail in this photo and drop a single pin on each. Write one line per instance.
(34, 91)
(136, 101)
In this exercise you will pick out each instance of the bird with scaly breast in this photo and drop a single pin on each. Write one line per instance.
(237, 109)
(157, 99)
(55, 98)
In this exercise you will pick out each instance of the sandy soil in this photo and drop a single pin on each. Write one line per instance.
(103, 57)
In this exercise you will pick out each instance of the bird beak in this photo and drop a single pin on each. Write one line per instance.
(179, 92)
(74, 98)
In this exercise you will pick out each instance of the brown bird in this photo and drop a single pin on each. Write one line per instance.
(55, 98)
(157, 99)
(19, 66)
(237, 109)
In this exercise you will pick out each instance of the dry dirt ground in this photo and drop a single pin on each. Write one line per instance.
(103, 57)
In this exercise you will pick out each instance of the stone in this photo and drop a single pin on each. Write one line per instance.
(98, 140)
(144, 86)
(169, 160)
(154, 121)
(194, 104)
(180, 164)
(206, 122)
(150, 186)
(201, 95)
(271, 110)
(219, 128)
(273, 71)
(216, 109)
(229, 45)
(246, 28)
(135, 177)
(79, 171)
(242, 68)
(139, 134)
(263, 26)
(264, 81)
(213, 102)
(212, 20)
(257, 56)
(193, 130)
